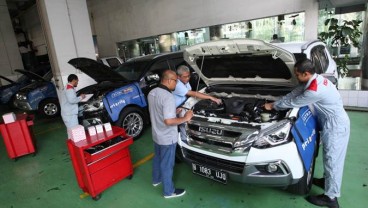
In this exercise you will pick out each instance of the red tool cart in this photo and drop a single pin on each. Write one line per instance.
(18, 136)
(101, 160)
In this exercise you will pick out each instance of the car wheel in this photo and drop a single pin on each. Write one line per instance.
(49, 108)
(305, 183)
(132, 120)
(11, 102)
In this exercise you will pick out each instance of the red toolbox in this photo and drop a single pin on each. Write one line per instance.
(18, 136)
(101, 161)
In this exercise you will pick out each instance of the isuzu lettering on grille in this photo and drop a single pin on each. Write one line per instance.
(209, 130)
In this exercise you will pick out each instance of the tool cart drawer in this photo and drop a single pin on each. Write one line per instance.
(105, 149)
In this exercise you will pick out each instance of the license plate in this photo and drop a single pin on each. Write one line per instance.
(210, 173)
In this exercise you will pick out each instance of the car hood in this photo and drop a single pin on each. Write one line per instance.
(241, 61)
(8, 80)
(32, 86)
(31, 75)
(97, 71)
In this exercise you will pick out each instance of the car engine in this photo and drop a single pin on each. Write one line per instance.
(238, 109)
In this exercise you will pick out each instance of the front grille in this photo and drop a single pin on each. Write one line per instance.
(212, 142)
(226, 133)
(236, 167)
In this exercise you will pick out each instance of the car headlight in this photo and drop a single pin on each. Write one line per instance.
(20, 97)
(243, 143)
(274, 135)
(94, 105)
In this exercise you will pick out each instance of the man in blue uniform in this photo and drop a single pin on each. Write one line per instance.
(183, 90)
(69, 102)
(335, 126)
(164, 123)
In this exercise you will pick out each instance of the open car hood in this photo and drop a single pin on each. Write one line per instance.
(97, 71)
(8, 80)
(31, 75)
(241, 61)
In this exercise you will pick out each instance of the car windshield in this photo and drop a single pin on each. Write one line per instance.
(132, 71)
(22, 78)
(244, 66)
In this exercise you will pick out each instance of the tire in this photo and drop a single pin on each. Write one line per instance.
(97, 197)
(304, 185)
(49, 108)
(133, 121)
(179, 158)
(11, 102)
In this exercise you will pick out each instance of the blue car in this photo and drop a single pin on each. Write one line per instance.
(41, 95)
(8, 91)
(119, 96)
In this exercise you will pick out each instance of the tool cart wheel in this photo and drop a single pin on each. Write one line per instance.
(130, 177)
(96, 198)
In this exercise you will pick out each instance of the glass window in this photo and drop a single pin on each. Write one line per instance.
(131, 70)
(316, 61)
(320, 59)
(113, 62)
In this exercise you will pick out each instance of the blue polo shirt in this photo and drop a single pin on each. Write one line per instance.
(180, 92)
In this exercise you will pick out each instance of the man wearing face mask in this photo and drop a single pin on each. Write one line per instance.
(334, 122)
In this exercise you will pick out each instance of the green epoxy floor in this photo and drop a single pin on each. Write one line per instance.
(48, 180)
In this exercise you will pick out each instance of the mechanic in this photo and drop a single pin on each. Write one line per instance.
(334, 122)
(164, 123)
(182, 91)
(69, 102)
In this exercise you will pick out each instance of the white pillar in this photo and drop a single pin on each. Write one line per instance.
(10, 58)
(68, 35)
(311, 21)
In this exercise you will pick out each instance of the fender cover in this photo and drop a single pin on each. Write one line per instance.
(47, 90)
(116, 100)
(305, 131)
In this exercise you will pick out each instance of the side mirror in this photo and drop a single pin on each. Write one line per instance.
(152, 77)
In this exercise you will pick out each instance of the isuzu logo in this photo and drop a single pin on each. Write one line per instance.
(209, 130)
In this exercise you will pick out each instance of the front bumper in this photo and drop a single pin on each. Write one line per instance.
(23, 105)
(255, 167)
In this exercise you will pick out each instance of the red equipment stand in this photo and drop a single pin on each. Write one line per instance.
(101, 161)
(18, 137)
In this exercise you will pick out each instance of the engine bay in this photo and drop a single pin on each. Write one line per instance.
(238, 108)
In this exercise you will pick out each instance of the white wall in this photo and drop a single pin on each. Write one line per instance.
(118, 20)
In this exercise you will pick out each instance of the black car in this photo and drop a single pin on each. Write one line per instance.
(119, 96)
